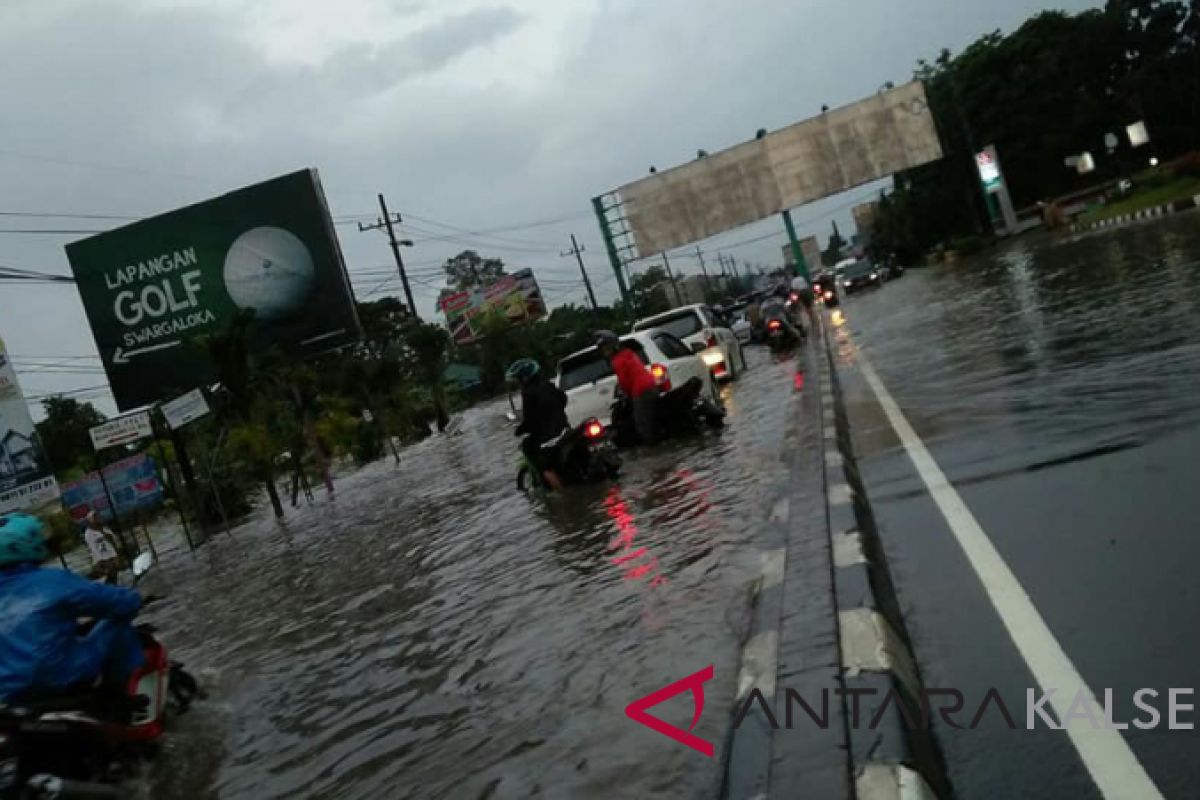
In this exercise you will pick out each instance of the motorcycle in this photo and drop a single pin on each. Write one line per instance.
(583, 454)
(827, 292)
(680, 412)
(779, 331)
(79, 744)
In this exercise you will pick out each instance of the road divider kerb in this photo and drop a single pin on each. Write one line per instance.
(888, 781)
(848, 549)
(890, 760)
(1154, 212)
(870, 645)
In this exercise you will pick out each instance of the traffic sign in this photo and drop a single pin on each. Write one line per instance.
(153, 290)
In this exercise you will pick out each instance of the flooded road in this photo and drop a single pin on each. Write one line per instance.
(431, 632)
(1056, 383)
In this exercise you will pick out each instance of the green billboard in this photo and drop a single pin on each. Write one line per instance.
(154, 289)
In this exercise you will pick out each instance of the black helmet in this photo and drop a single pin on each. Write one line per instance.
(606, 339)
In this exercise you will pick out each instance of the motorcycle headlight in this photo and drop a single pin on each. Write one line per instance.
(874, 275)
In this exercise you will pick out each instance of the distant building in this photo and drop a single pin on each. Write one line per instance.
(864, 218)
(810, 247)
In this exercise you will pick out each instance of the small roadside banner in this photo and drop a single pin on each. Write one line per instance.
(184, 409)
(122, 430)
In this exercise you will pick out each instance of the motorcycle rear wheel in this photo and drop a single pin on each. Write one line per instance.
(525, 480)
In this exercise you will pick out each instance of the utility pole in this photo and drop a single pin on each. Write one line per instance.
(671, 276)
(704, 271)
(577, 249)
(386, 223)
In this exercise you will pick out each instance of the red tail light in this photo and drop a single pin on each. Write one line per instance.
(592, 429)
(793, 297)
(774, 325)
(712, 340)
(662, 376)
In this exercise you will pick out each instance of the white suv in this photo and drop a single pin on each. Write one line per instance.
(706, 332)
(590, 385)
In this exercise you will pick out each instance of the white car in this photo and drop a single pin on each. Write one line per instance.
(590, 384)
(706, 332)
(742, 329)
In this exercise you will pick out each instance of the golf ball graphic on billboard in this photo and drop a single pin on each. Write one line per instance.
(270, 271)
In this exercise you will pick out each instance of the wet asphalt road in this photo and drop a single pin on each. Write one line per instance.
(1056, 383)
(431, 632)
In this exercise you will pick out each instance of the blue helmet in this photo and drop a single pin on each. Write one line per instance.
(21, 540)
(523, 370)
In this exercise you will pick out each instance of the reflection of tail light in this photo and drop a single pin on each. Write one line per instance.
(793, 297)
(661, 376)
(774, 325)
(592, 429)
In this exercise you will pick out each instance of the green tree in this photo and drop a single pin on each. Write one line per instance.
(648, 291)
(1053, 88)
(64, 433)
(833, 251)
(468, 269)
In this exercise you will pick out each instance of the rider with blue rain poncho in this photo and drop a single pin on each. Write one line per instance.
(41, 647)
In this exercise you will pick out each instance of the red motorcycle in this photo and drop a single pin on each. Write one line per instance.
(79, 744)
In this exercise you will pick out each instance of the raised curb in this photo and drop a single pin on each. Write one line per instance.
(792, 642)
(891, 757)
(1153, 212)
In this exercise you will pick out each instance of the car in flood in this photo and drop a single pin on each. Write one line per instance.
(590, 385)
(860, 275)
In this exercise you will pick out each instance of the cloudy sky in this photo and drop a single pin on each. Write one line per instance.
(487, 123)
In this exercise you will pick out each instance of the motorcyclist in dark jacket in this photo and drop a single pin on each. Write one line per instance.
(40, 646)
(543, 418)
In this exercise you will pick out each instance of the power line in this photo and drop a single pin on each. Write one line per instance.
(62, 215)
(51, 231)
(100, 387)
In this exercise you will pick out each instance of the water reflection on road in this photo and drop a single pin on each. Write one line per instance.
(432, 632)
(1055, 380)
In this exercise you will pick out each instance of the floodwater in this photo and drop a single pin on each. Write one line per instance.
(432, 632)
(1056, 382)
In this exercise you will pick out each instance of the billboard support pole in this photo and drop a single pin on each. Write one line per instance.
(797, 253)
(174, 486)
(704, 272)
(112, 506)
(611, 247)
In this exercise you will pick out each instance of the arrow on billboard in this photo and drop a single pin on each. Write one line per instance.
(121, 356)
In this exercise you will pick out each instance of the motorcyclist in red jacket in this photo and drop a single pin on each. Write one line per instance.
(635, 381)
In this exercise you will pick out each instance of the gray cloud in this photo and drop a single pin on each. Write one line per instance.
(158, 108)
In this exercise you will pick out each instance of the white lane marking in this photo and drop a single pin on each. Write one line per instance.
(1113, 766)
